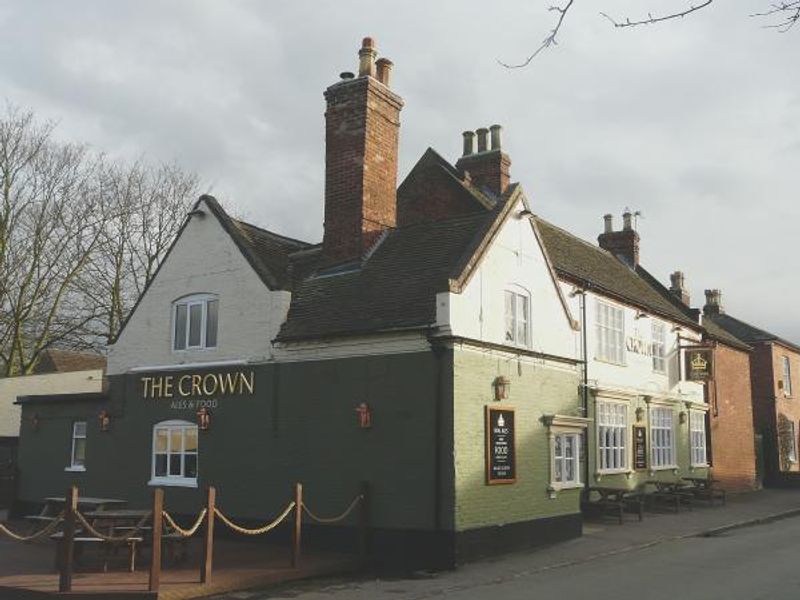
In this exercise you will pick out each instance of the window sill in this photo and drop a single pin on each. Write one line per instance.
(665, 468)
(173, 482)
(557, 486)
(700, 466)
(610, 362)
(75, 469)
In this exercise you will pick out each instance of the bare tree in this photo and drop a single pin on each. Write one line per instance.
(787, 13)
(80, 238)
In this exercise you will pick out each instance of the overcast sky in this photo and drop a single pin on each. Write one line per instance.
(696, 123)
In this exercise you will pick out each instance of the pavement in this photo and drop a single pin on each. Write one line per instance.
(662, 539)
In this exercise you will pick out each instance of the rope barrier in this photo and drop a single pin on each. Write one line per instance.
(259, 530)
(46, 530)
(110, 538)
(336, 519)
(185, 532)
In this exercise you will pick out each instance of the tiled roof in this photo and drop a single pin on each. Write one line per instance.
(722, 335)
(746, 332)
(591, 266)
(65, 361)
(395, 288)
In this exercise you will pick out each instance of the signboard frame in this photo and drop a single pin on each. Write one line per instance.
(640, 462)
(491, 441)
(707, 353)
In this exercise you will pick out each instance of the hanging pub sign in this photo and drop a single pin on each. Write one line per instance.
(699, 364)
(639, 447)
(501, 464)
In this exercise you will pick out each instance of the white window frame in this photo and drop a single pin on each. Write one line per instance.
(610, 333)
(787, 376)
(792, 454)
(565, 426)
(73, 464)
(174, 480)
(189, 301)
(519, 296)
(659, 333)
(613, 457)
(698, 442)
(561, 460)
(662, 438)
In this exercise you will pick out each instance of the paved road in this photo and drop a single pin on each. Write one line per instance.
(755, 563)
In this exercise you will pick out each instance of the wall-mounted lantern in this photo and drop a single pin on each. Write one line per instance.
(203, 419)
(35, 421)
(502, 388)
(682, 417)
(104, 418)
(364, 413)
(639, 414)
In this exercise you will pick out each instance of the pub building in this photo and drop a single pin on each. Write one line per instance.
(424, 347)
(645, 359)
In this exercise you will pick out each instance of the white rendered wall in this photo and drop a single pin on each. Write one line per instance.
(204, 260)
(515, 261)
(637, 371)
(35, 385)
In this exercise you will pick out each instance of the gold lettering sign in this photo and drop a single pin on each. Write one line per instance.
(193, 385)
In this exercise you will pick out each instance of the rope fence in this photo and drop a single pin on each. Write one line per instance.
(92, 530)
(44, 531)
(187, 533)
(259, 530)
(337, 518)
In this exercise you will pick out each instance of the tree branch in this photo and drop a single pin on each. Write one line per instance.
(550, 40)
(789, 8)
(651, 20)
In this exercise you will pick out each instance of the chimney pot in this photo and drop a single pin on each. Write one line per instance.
(366, 58)
(627, 221)
(678, 287)
(713, 302)
(609, 223)
(384, 70)
(345, 75)
(469, 143)
(482, 139)
(495, 130)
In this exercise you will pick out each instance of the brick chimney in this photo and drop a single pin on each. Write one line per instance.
(362, 127)
(678, 287)
(489, 167)
(622, 244)
(713, 303)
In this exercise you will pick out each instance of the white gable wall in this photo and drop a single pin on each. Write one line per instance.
(514, 261)
(203, 260)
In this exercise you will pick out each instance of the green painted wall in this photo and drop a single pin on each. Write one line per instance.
(636, 478)
(300, 425)
(536, 390)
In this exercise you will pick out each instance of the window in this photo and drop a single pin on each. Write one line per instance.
(792, 450)
(610, 326)
(175, 454)
(612, 435)
(659, 345)
(787, 377)
(697, 431)
(662, 434)
(195, 322)
(78, 452)
(566, 451)
(517, 318)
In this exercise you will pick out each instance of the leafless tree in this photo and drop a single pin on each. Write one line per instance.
(80, 237)
(787, 13)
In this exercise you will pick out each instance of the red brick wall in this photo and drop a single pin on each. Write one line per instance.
(430, 194)
(490, 169)
(362, 125)
(731, 420)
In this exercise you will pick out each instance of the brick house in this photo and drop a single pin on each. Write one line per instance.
(774, 364)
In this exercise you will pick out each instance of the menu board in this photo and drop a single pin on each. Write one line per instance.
(639, 447)
(500, 446)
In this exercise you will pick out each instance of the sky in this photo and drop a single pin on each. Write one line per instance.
(694, 122)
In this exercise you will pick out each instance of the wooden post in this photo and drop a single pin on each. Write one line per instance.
(155, 560)
(206, 564)
(68, 541)
(363, 523)
(297, 530)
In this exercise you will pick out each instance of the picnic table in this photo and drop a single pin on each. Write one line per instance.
(53, 505)
(704, 488)
(672, 492)
(615, 500)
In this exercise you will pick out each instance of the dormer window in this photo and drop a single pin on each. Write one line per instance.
(517, 318)
(195, 322)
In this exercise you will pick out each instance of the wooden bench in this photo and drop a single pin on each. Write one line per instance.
(615, 501)
(83, 540)
(705, 489)
(672, 493)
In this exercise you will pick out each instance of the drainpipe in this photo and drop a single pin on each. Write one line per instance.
(585, 352)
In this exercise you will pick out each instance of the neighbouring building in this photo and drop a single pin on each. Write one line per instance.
(774, 364)
(648, 413)
(425, 347)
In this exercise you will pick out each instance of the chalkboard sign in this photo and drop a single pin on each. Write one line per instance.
(500, 446)
(639, 447)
